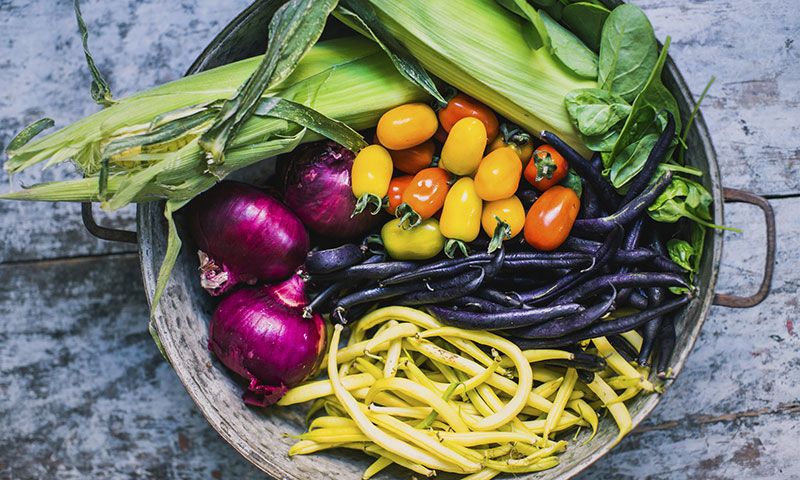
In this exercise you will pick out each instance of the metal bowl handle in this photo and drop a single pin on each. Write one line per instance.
(735, 301)
(105, 233)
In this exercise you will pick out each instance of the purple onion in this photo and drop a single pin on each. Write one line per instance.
(317, 189)
(260, 333)
(245, 236)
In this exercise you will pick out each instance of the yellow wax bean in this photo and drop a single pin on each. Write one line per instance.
(323, 388)
(405, 412)
(392, 357)
(335, 435)
(523, 389)
(387, 442)
(399, 330)
(378, 465)
(618, 410)
(634, 339)
(402, 461)
(424, 440)
(548, 389)
(562, 397)
(331, 422)
(306, 447)
(460, 363)
(586, 412)
(485, 474)
(619, 364)
(557, 447)
(537, 426)
(421, 394)
(422, 320)
(472, 439)
(369, 368)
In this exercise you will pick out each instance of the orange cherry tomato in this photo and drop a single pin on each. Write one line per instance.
(396, 188)
(412, 160)
(551, 217)
(498, 174)
(546, 168)
(425, 194)
(463, 105)
(406, 126)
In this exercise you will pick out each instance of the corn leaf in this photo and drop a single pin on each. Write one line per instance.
(101, 92)
(27, 134)
(293, 30)
(311, 119)
(360, 16)
(173, 249)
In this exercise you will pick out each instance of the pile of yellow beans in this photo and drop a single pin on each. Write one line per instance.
(407, 390)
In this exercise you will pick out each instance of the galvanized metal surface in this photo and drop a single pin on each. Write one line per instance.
(84, 394)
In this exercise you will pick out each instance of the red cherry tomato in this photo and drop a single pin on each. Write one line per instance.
(396, 188)
(463, 105)
(551, 217)
(546, 168)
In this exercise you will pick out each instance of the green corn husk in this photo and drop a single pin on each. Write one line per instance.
(478, 47)
(350, 80)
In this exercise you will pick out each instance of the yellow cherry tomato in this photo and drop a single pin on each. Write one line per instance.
(370, 177)
(406, 126)
(461, 216)
(463, 150)
(498, 175)
(509, 210)
(516, 139)
(419, 243)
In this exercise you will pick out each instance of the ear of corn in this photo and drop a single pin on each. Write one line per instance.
(478, 47)
(348, 79)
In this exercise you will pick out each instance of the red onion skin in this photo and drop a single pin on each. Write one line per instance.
(260, 334)
(317, 188)
(245, 236)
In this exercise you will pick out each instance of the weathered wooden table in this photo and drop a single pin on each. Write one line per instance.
(85, 394)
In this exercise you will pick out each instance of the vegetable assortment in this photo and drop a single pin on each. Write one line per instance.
(498, 253)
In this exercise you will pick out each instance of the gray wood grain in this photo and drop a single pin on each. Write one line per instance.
(752, 109)
(84, 394)
(136, 44)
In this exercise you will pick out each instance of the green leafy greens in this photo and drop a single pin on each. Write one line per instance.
(627, 52)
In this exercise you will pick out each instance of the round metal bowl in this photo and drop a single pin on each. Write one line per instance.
(182, 315)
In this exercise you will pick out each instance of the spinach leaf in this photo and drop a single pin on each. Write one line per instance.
(653, 98)
(595, 111)
(569, 49)
(603, 143)
(536, 37)
(586, 20)
(688, 254)
(684, 198)
(631, 160)
(681, 252)
(628, 52)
